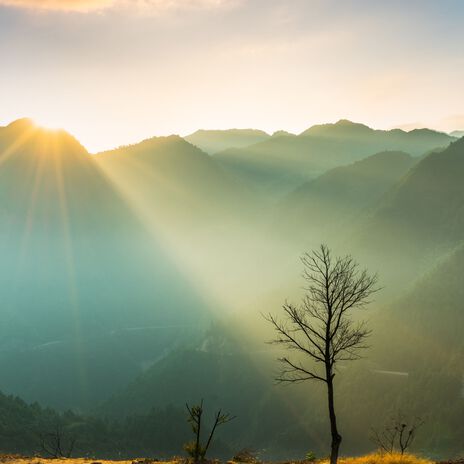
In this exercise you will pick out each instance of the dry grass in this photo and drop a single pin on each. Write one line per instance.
(368, 459)
(36, 460)
(378, 458)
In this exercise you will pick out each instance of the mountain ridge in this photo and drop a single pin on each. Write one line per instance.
(212, 141)
(279, 164)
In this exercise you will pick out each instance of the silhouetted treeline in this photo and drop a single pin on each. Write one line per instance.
(160, 432)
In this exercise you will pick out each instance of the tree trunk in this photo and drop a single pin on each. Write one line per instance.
(336, 437)
(197, 438)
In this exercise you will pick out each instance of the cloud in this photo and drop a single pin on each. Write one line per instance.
(63, 5)
(454, 122)
(446, 124)
(95, 5)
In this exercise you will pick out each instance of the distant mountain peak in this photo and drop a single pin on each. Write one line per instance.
(426, 131)
(281, 133)
(27, 134)
(347, 122)
(246, 131)
(342, 127)
(21, 124)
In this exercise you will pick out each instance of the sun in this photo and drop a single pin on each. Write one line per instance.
(48, 124)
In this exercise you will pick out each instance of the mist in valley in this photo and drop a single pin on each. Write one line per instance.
(134, 281)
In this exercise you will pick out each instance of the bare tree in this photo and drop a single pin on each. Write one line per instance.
(195, 448)
(385, 439)
(56, 444)
(320, 328)
(398, 434)
(195, 416)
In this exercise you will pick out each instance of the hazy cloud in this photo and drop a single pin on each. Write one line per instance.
(447, 124)
(93, 5)
(63, 5)
(454, 122)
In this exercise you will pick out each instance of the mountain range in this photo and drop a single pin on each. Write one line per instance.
(281, 163)
(117, 266)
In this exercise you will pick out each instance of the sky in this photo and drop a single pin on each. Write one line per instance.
(114, 72)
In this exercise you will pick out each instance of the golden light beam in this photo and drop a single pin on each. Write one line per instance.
(163, 224)
(31, 209)
(56, 153)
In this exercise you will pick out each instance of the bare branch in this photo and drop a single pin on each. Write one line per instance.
(397, 435)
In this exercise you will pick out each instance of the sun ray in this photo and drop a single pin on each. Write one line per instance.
(57, 157)
(161, 223)
(29, 221)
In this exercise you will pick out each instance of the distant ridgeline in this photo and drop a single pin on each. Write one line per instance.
(132, 282)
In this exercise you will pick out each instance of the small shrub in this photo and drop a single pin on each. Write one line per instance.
(192, 449)
(310, 456)
(246, 456)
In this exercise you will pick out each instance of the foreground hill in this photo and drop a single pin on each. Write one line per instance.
(212, 141)
(415, 362)
(282, 163)
(420, 218)
(337, 198)
(428, 319)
